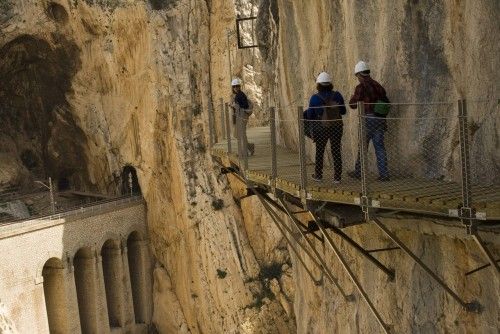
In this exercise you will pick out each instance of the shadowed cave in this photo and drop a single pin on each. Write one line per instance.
(39, 133)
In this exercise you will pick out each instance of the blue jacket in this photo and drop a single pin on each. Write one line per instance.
(316, 101)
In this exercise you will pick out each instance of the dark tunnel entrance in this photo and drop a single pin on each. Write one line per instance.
(130, 182)
(38, 129)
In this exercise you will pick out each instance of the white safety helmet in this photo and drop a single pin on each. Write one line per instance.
(324, 79)
(361, 66)
(236, 82)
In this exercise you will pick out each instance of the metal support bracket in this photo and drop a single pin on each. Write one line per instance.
(480, 268)
(353, 278)
(473, 306)
(329, 274)
(486, 252)
(389, 272)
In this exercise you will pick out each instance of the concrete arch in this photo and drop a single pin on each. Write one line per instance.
(139, 228)
(41, 264)
(108, 235)
(77, 247)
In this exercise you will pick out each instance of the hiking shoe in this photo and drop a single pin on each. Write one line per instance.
(316, 178)
(336, 181)
(354, 175)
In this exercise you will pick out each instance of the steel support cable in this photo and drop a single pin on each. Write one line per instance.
(326, 270)
(353, 277)
(471, 307)
(278, 225)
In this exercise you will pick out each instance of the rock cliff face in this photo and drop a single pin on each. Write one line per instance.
(99, 85)
(129, 83)
(420, 51)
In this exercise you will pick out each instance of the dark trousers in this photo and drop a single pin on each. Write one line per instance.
(323, 135)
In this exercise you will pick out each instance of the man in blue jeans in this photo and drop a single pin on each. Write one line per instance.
(370, 91)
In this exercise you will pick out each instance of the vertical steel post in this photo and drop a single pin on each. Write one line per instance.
(302, 157)
(229, 54)
(52, 200)
(228, 129)
(239, 139)
(362, 160)
(222, 120)
(274, 161)
(243, 135)
(219, 134)
(211, 125)
(466, 212)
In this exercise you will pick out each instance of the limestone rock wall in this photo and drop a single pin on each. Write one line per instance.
(143, 74)
(139, 96)
(412, 303)
(420, 51)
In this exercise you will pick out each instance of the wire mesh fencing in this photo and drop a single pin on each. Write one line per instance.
(482, 121)
(411, 156)
(425, 157)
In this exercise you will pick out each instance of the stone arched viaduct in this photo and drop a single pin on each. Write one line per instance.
(88, 272)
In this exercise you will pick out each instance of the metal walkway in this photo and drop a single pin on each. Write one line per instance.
(468, 188)
(404, 194)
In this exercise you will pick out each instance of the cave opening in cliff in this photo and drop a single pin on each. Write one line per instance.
(38, 128)
(130, 182)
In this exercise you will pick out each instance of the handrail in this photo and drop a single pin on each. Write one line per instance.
(427, 159)
(81, 209)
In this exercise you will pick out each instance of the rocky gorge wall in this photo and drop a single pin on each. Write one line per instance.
(138, 80)
(137, 94)
(421, 51)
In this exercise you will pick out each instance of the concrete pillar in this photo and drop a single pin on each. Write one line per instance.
(72, 299)
(148, 280)
(140, 276)
(39, 314)
(129, 315)
(101, 306)
(91, 295)
(86, 290)
(55, 299)
(113, 283)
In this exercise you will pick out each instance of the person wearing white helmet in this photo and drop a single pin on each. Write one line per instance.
(324, 119)
(241, 108)
(375, 98)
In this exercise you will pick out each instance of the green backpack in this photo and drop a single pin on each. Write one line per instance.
(382, 108)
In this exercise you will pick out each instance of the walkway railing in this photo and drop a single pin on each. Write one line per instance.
(435, 158)
(87, 208)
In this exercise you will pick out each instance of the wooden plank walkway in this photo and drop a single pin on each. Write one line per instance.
(404, 194)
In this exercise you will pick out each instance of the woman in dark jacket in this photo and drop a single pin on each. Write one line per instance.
(326, 108)
(241, 108)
